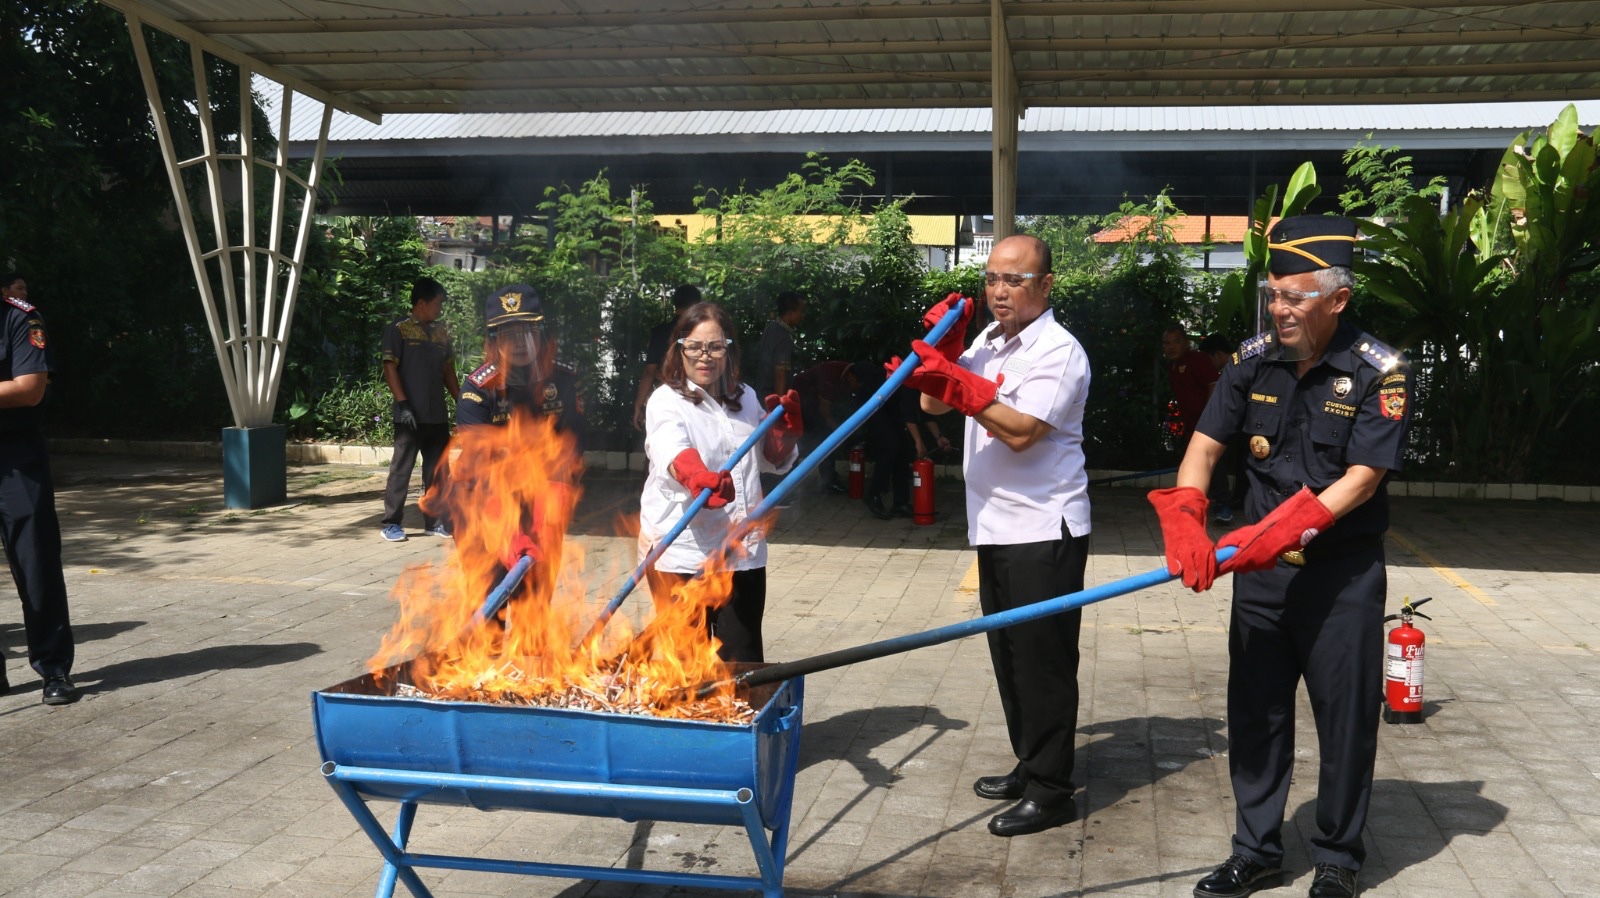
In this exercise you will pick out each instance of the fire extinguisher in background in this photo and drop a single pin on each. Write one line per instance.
(922, 491)
(858, 473)
(1402, 672)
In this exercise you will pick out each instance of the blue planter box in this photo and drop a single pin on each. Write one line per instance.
(255, 473)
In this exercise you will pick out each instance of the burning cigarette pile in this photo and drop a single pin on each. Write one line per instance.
(620, 691)
(516, 486)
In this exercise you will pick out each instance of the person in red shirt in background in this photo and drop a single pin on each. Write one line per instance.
(1192, 376)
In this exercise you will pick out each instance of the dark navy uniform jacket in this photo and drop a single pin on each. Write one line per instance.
(486, 400)
(1351, 408)
(24, 349)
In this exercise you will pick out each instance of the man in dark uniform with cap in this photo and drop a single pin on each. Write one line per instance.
(27, 494)
(519, 369)
(1323, 408)
(519, 375)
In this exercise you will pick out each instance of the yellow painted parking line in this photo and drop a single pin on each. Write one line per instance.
(1454, 578)
(969, 582)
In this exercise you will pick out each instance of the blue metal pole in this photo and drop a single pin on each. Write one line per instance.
(498, 595)
(898, 644)
(804, 467)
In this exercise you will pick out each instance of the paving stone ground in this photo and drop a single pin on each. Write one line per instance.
(189, 768)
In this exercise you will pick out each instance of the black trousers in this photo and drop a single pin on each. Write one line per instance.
(428, 439)
(1036, 663)
(1324, 623)
(892, 452)
(737, 622)
(32, 535)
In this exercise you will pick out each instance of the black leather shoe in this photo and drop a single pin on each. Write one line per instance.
(1006, 787)
(1333, 881)
(1028, 816)
(59, 691)
(875, 505)
(902, 511)
(1237, 877)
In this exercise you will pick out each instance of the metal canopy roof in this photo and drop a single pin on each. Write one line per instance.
(633, 55)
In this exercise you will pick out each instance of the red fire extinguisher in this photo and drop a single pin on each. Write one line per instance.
(922, 491)
(858, 473)
(1402, 673)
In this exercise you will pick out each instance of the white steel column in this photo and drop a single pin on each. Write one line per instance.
(248, 286)
(1003, 101)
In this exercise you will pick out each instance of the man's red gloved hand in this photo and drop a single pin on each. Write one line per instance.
(521, 544)
(1182, 511)
(783, 436)
(691, 472)
(948, 382)
(1289, 526)
(955, 339)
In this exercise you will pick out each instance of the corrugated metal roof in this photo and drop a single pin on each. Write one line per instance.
(406, 56)
(1423, 123)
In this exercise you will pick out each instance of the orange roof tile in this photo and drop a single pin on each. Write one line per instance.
(1186, 229)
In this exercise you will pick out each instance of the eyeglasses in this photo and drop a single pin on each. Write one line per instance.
(1270, 295)
(1012, 278)
(714, 348)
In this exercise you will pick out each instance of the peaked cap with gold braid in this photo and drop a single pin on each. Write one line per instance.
(1304, 243)
(517, 302)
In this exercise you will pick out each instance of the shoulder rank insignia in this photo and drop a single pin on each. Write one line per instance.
(484, 374)
(22, 304)
(1253, 347)
(1384, 358)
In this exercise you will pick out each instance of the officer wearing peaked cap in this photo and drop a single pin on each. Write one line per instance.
(519, 369)
(1323, 409)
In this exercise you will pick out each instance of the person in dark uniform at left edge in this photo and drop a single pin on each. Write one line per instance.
(27, 495)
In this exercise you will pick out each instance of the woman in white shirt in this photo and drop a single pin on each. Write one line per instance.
(694, 422)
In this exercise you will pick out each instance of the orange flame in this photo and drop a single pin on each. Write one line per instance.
(522, 479)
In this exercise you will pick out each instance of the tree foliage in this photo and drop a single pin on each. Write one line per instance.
(1501, 291)
(1381, 178)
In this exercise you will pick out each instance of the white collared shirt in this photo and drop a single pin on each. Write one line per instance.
(672, 424)
(1022, 497)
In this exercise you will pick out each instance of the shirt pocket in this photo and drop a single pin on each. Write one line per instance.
(1261, 419)
(1330, 434)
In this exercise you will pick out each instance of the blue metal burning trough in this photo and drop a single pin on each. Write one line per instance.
(379, 746)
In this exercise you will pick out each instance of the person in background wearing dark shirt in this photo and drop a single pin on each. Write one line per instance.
(777, 345)
(825, 392)
(28, 518)
(683, 297)
(419, 367)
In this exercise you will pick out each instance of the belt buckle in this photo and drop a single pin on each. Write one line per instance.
(1295, 557)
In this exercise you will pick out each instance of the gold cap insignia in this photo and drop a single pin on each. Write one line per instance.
(511, 302)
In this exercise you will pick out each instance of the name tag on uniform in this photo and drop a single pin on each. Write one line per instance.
(1263, 397)
(1015, 367)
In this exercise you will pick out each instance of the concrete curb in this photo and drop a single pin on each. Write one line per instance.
(338, 454)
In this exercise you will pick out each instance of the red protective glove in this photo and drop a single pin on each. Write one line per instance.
(526, 542)
(783, 436)
(522, 544)
(691, 472)
(1289, 526)
(1182, 511)
(948, 382)
(955, 339)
